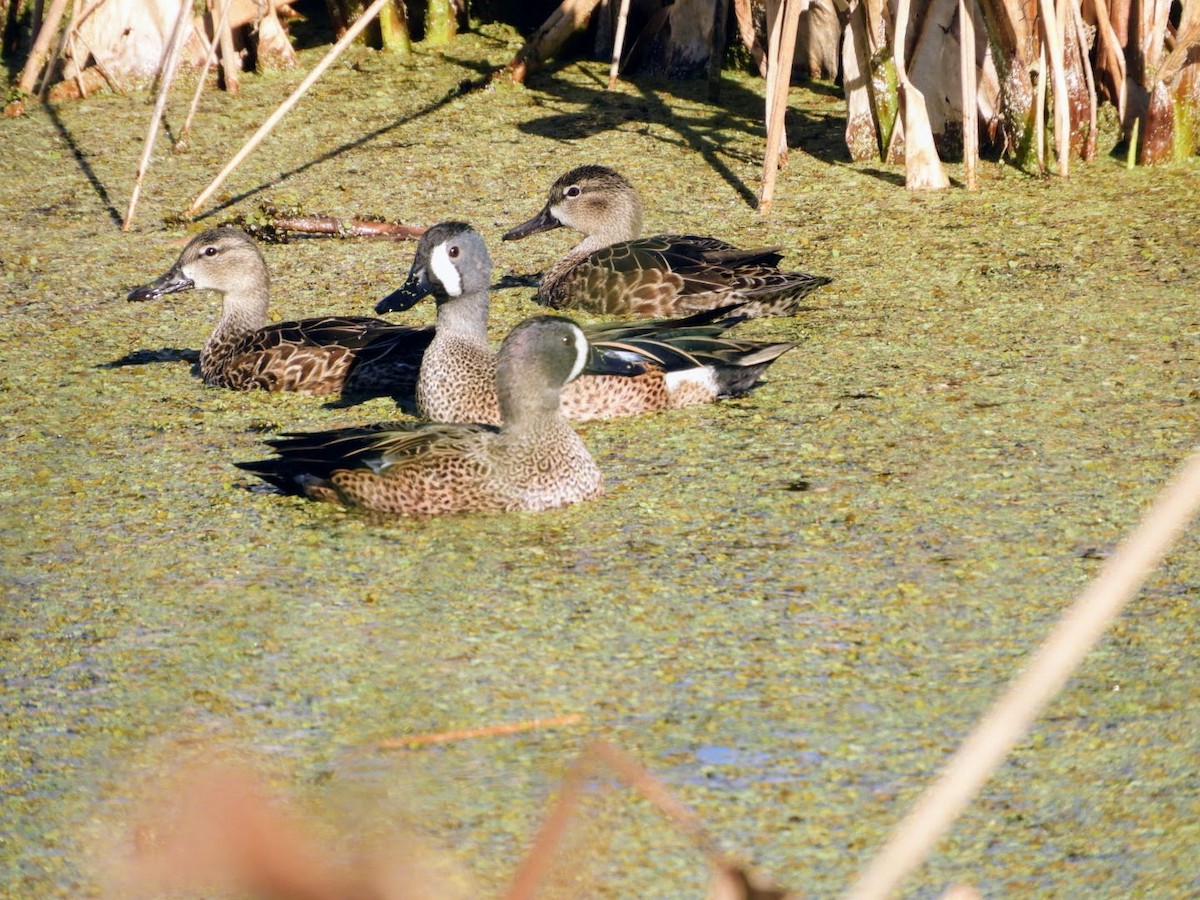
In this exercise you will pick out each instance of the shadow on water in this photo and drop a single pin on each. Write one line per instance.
(147, 357)
(88, 172)
(464, 87)
(704, 131)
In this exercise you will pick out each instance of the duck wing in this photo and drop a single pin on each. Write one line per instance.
(301, 457)
(331, 354)
(353, 333)
(649, 276)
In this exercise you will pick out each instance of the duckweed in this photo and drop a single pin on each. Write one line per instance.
(791, 606)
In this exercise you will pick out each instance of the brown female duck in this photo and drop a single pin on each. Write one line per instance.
(616, 271)
(352, 355)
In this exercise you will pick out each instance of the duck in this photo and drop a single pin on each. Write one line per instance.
(347, 355)
(673, 363)
(534, 461)
(615, 271)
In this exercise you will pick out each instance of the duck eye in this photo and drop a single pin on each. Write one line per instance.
(572, 191)
(210, 251)
(452, 251)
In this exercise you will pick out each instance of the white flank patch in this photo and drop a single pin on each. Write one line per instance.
(445, 271)
(701, 376)
(581, 353)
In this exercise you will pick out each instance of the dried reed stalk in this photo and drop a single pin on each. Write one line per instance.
(257, 138)
(970, 92)
(170, 65)
(601, 753)
(209, 58)
(779, 79)
(618, 43)
(446, 737)
(37, 54)
(1010, 718)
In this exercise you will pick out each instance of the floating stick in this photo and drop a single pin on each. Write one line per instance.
(446, 737)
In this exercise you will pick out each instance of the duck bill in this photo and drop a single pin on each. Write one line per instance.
(170, 282)
(543, 221)
(607, 361)
(408, 294)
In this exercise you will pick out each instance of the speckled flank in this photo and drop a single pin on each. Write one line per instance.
(349, 355)
(683, 362)
(533, 462)
(615, 271)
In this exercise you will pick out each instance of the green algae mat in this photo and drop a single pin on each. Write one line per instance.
(790, 607)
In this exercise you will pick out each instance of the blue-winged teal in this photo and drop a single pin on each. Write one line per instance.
(616, 271)
(352, 355)
(534, 461)
(679, 362)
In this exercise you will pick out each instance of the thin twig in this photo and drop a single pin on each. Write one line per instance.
(170, 64)
(537, 860)
(1076, 633)
(78, 71)
(446, 737)
(209, 58)
(257, 138)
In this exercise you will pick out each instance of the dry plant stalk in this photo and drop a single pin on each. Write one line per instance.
(618, 44)
(569, 17)
(779, 79)
(222, 26)
(37, 54)
(731, 881)
(1077, 631)
(446, 737)
(970, 90)
(257, 138)
(922, 167)
(170, 66)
